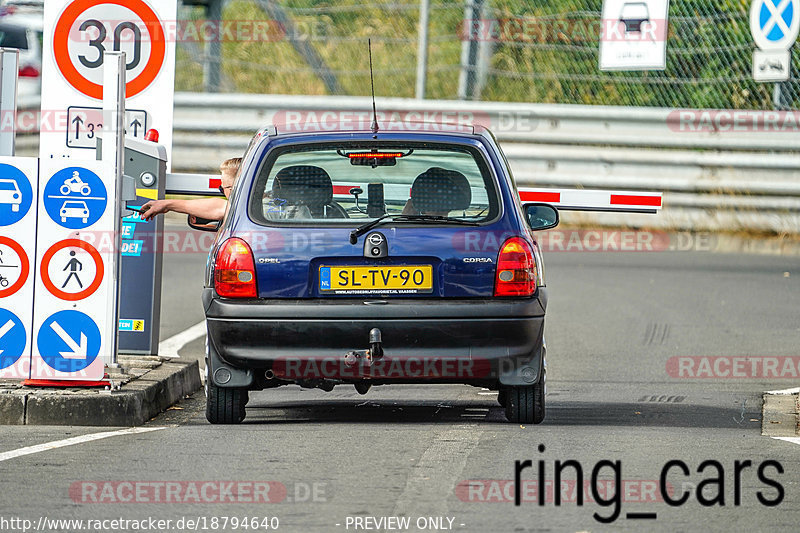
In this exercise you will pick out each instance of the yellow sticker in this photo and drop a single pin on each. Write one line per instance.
(147, 193)
(138, 325)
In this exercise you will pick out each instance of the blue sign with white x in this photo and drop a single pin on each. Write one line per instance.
(775, 23)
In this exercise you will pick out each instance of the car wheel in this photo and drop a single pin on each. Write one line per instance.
(225, 406)
(525, 405)
(502, 397)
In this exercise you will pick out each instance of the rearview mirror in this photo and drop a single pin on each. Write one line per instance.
(202, 224)
(541, 216)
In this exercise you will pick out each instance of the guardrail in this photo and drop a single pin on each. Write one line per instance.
(719, 170)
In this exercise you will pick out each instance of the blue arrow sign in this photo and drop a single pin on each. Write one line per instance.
(69, 341)
(16, 195)
(75, 198)
(13, 338)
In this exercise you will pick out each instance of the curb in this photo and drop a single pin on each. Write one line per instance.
(133, 405)
(780, 413)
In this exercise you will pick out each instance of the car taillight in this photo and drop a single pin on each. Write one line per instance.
(29, 71)
(234, 270)
(516, 269)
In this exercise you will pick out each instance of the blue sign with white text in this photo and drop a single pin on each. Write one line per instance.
(75, 198)
(69, 341)
(13, 338)
(16, 195)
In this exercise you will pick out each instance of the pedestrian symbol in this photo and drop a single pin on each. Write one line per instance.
(75, 198)
(68, 341)
(74, 266)
(13, 338)
(775, 23)
(16, 195)
(72, 269)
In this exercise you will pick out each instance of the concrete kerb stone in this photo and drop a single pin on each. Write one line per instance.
(133, 404)
(781, 413)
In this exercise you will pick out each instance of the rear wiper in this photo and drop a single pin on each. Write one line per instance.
(361, 230)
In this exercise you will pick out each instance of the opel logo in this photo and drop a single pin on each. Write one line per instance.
(376, 239)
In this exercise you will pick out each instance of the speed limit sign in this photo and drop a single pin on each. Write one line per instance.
(77, 36)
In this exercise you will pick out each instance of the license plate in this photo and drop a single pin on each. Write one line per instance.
(376, 279)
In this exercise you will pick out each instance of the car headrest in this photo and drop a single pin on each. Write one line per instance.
(438, 190)
(303, 185)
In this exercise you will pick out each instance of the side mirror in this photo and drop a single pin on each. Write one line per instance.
(202, 224)
(541, 216)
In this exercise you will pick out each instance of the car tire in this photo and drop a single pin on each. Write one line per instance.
(502, 397)
(525, 405)
(225, 406)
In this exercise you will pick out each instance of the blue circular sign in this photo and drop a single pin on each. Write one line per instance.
(75, 198)
(775, 19)
(69, 341)
(13, 338)
(16, 195)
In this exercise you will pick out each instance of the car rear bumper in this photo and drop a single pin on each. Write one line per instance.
(476, 341)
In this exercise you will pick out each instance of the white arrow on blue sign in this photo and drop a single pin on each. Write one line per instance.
(12, 338)
(69, 341)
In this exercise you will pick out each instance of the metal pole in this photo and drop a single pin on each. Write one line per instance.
(213, 59)
(113, 156)
(9, 70)
(422, 50)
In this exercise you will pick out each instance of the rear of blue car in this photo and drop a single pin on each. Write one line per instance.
(370, 259)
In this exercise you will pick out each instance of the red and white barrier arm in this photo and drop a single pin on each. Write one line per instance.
(595, 200)
(194, 184)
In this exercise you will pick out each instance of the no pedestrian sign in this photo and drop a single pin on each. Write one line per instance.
(77, 36)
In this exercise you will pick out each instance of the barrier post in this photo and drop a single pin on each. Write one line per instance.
(9, 68)
(112, 155)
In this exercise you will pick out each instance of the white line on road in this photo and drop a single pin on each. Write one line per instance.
(794, 390)
(13, 454)
(169, 348)
(793, 440)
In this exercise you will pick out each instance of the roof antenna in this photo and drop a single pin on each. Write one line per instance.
(374, 126)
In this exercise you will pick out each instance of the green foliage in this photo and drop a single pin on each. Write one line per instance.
(538, 51)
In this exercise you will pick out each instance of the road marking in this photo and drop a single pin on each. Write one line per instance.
(793, 440)
(13, 454)
(794, 390)
(492, 393)
(169, 348)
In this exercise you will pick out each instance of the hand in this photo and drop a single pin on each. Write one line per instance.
(153, 208)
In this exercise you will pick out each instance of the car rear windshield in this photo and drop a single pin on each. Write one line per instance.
(347, 183)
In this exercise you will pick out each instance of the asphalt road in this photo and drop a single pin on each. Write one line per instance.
(617, 325)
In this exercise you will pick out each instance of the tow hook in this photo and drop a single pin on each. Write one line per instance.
(370, 355)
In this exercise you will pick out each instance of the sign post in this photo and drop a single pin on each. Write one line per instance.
(79, 38)
(9, 67)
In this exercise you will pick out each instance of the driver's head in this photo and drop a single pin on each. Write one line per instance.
(229, 169)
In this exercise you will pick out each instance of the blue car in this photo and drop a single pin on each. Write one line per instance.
(370, 258)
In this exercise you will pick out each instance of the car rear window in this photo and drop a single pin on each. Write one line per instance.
(8, 185)
(345, 183)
